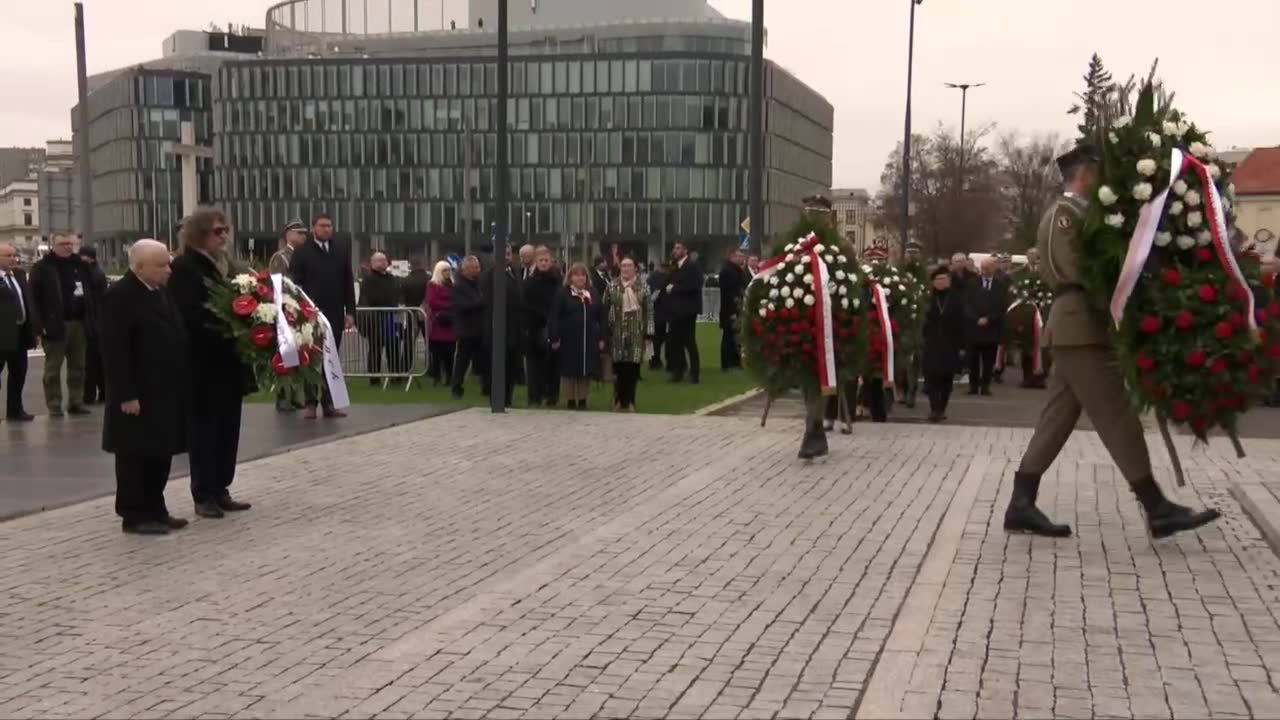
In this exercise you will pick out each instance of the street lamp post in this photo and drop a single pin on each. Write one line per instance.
(498, 359)
(906, 134)
(964, 102)
(755, 130)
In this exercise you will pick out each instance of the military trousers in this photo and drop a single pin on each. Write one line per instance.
(70, 350)
(1085, 379)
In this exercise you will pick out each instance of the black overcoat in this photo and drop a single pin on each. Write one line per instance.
(943, 333)
(217, 370)
(145, 358)
(576, 326)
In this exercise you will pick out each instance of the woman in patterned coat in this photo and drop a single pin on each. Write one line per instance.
(626, 318)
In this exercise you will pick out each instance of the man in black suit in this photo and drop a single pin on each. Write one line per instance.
(468, 313)
(684, 305)
(733, 285)
(322, 268)
(144, 352)
(986, 301)
(16, 335)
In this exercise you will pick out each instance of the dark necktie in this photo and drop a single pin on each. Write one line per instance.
(17, 294)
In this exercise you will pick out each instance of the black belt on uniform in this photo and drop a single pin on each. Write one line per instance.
(1067, 288)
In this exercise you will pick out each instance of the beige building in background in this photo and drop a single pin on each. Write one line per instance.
(853, 216)
(1257, 181)
(20, 215)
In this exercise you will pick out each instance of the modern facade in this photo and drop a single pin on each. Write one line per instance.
(58, 189)
(20, 215)
(623, 131)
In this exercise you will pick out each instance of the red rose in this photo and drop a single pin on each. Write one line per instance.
(1237, 292)
(1244, 357)
(1218, 366)
(1196, 358)
(264, 275)
(1236, 320)
(1254, 374)
(1172, 276)
(1184, 320)
(1208, 294)
(1180, 411)
(1204, 254)
(795, 327)
(277, 365)
(1199, 425)
(806, 348)
(1273, 351)
(244, 305)
(264, 291)
(1149, 324)
(262, 335)
(1223, 330)
(1260, 316)
(1144, 362)
(1273, 309)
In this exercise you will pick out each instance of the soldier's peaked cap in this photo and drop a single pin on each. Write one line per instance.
(1077, 156)
(294, 225)
(913, 245)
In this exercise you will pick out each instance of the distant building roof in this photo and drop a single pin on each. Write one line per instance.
(1258, 173)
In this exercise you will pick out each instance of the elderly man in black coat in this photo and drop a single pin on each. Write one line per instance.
(144, 351)
(322, 268)
(985, 305)
(16, 333)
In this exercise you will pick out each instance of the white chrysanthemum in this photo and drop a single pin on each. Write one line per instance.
(265, 313)
(844, 290)
(902, 288)
(1142, 191)
(790, 303)
(1176, 208)
(799, 269)
(828, 259)
(773, 292)
(763, 312)
(844, 303)
(807, 280)
(866, 269)
(1113, 137)
(1183, 127)
(808, 299)
(1194, 219)
(831, 288)
(1215, 172)
(1147, 167)
(245, 283)
(1171, 128)
(290, 302)
(1179, 187)
(786, 291)
(772, 305)
(888, 292)
(790, 278)
(1107, 196)
(1163, 239)
(1186, 242)
(774, 280)
(856, 303)
(842, 259)
(1199, 150)
(1115, 220)
(1203, 238)
(840, 274)
(789, 257)
(1121, 122)
(1192, 198)
(819, 248)
(1154, 139)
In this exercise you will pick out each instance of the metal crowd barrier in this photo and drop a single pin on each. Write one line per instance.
(386, 344)
(710, 305)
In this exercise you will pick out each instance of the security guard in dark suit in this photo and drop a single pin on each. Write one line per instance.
(1084, 376)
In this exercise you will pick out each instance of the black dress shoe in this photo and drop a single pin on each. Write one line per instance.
(814, 442)
(1022, 515)
(146, 527)
(226, 504)
(78, 411)
(21, 417)
(174, 523)
(209, 510)
(1170, 518)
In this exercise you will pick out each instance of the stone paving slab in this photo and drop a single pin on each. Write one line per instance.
(643, 566)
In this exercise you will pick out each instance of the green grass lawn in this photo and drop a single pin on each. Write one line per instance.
(656, 394)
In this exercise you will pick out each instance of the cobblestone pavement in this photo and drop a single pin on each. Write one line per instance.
(645, 566)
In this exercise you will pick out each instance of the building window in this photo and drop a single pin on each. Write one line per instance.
(26, 219)
(26, 202)
(850, 216)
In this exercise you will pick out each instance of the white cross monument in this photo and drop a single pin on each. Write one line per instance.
(188, 152)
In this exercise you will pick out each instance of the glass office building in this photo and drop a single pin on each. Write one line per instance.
(630, 133)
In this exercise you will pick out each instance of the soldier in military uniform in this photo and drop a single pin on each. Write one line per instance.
(1084, 377)
(913, 262)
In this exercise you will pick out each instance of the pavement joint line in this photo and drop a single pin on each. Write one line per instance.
(727, 403)
(889, 680)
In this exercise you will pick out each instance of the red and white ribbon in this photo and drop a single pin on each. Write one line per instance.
(886, 325)
(1037, 324)
(805, 253)
(1149, 222)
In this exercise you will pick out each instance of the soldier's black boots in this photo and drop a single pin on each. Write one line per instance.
(814, 443)
(1164, 518)
(1023, 516)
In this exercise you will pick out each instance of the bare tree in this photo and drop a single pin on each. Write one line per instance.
(1029, 180)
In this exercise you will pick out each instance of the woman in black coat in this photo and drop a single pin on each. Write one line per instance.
(542, 377)
(573, 330)
(220, 379)
(944, 326)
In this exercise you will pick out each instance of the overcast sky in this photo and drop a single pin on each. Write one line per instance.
(1030, 52)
